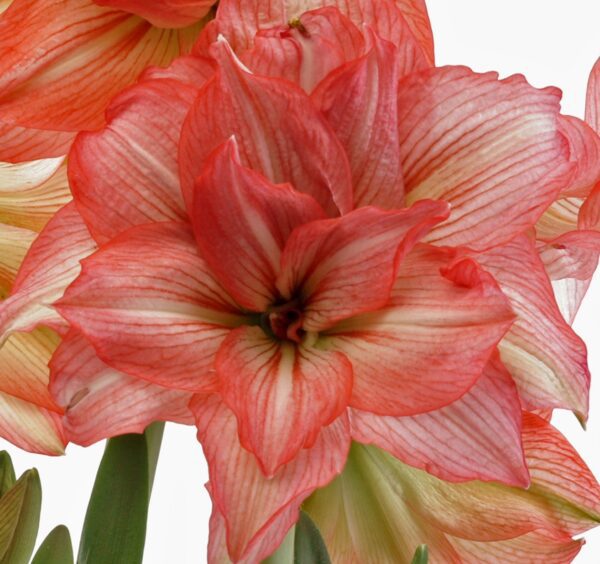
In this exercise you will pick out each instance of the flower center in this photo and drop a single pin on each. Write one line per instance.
(284, 322)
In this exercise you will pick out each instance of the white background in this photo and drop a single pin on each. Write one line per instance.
(552, 42)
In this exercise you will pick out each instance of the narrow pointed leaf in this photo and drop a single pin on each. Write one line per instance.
(309, 547)
(115, 523)
(7, 473)
(19, 519)
(56, 548)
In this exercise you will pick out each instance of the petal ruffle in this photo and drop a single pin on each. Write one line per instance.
(545, 357)
(51, 264)
(151, 308)
(431, 342)
(280, 134)
(478, 437)
(345, 266)
(242, 222)
(282, 394)
(239, 21)
(249, 502)
(100, 402)
(127, 173)
(490, 148)
(359, 101)
(163, 13)
(61, 61)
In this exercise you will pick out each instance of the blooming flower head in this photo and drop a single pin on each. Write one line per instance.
(304, 234)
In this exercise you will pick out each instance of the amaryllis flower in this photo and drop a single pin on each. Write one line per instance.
(317, 237)
(29, 417)
(61, 61)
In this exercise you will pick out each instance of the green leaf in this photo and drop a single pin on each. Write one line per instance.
(309, 547)
(56, 548)
(421, 555)
(20, 518)
(114, 530)
(7, 473)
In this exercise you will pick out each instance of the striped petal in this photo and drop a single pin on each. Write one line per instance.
(545, 357)
(572, 255)
(280, 134)
(592, 106)
(307, 49)
(61, 61)
(239, 21)
(359, 101)
(23, 367)
(151, 308)
(248, 501)
(100, 402)
(478, 437)
(18, 144)
(32, 192)
(14, 244)
(163, 13)
(30, 427)
(242, 222)
(127, 174)
(282, 394)
(51, 264)
(342, 267)
(490, 147)
(431, 341)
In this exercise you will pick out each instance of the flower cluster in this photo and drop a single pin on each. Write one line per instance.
(355, 272)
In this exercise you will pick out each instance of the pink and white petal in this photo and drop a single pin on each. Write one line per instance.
(32, 192)
(14, 244)
(489, 147)
(242, 222)
(305, 50)
(431, 342)
(100, 402)
(584, 145)
(50, 265)
(545, 357)
(282, 394)
(569, 293)
(592, 106)
(61, 61)
(23, 367)
(151, 308)
(163, 13)
(30, 427)
(250, 502)
(280, 134)
(536, 546)
(18, 144)
(126, 174)
(240, 21)
(572, 255)
(342, 267)
(359, 101)
(478, 437)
